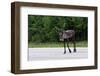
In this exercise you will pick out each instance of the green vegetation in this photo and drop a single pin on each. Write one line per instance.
(43, 31)
(57, 44)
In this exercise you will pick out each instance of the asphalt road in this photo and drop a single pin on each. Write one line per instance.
(56, 53)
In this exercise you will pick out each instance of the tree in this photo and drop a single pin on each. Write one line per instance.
(46, 28)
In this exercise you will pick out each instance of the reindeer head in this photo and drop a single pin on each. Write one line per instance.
(61, 36)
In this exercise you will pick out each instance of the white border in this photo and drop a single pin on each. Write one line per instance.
(24, 64)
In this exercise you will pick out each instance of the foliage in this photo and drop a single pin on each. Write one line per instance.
(56, 44)
(43, 29)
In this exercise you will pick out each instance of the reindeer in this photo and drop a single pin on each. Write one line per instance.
(65, 36)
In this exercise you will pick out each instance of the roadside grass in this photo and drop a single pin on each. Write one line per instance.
(57, 44)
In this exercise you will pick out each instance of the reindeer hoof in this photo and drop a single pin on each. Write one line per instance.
(74, 50)
(69, 51)
(64, 52)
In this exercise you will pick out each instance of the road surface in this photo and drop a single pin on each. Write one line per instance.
(56, 53)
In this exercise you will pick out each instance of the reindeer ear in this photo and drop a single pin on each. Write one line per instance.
(59, 33)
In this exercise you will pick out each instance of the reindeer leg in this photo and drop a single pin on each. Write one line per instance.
(74, 43)
(64, 47)
(68, 45)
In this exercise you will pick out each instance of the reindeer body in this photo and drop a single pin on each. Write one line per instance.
(65, 36)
